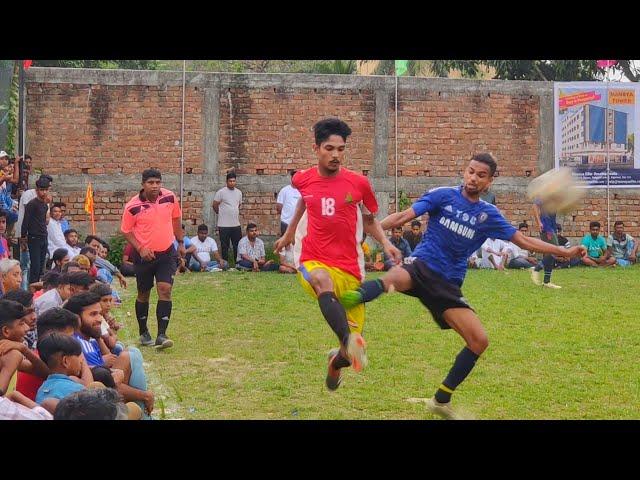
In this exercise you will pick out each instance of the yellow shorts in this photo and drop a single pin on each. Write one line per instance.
(342, 281)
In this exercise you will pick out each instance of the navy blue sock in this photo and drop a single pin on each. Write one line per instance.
(371, 290)
(465, 361)
(547, 261)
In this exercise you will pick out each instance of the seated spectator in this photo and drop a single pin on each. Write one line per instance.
(15, 406)
(251, 253)
(63, 356)
(190, 249)
(564, 262)
(71, 267)
(6, 185)
(64, 223)
(68, 285)
(562, 241)
(50, 280)
(4, 245)
(287, 263)
(96, 404)
(26, 300)
(108, 326)
(494, 253)
(414, 236)
(519, 257)
(134, 385)
(105, 269)
(366, 252)
(59, 258)
(92, 254)
(205, 248)
(71, 237)
(598, 255)
(10, 275)
(17, 356)
(622, 246)
(401, 244)
(83, 262)
(55, 236)
(126, 268)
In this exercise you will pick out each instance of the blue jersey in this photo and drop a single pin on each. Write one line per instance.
(457, 228)
(91, 351)
(548, 220)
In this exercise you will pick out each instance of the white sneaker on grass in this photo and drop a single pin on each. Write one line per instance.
(551, 285)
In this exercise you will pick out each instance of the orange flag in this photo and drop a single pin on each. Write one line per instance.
(88, 207)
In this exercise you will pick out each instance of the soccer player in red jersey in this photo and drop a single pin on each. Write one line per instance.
(336, 208)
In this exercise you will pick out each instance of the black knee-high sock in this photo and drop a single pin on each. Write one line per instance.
(371, 290)
(547, 261)
(340, 362)
(142, 312)
(465, 361)
(335, 315)
(163, 313)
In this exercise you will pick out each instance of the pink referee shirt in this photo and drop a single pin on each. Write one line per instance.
(152, 222)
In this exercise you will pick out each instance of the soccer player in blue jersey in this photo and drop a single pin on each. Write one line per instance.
(547, 227)
(459, 222)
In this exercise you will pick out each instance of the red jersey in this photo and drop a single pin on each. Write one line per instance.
(331, 229)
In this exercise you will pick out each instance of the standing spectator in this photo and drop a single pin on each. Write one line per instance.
(150, 222)
(226, 204)
(251, 254)
(25, 198)
(64, 223)
(5, 252)
(10, 275)
(286, 204)
(34, 229)
(401, 244)
(414, 236)
(622, 246)
(205, 246)
(598, 255)
(6, 184)
(55, 233)
(71, 237)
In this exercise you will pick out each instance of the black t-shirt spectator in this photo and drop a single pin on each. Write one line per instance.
(35, 219)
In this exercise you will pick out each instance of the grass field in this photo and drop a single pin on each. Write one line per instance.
(253, 346)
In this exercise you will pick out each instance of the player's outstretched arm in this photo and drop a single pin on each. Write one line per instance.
(290, 233)
(398, 219)
(373, 227)
(533, 244)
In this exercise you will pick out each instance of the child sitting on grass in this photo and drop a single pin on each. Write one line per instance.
(109, 325)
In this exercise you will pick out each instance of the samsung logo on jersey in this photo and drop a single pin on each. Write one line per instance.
(458, 228)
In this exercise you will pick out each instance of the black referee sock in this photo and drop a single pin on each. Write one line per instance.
(465, 361)
(163, 313)
(371, 290)
(548, 262)
(142, 313)
(335, 315)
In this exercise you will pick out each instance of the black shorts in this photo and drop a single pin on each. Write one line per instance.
(435, 293)
(162, 268)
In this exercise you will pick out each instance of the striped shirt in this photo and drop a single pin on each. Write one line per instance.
(91, 350)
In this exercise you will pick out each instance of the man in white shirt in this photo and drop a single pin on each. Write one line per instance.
(205, 247)
(519, 257)
(251, 253)
(226, 203)
(494, 252)
(286, 204)
(55, 235)
(71, 237)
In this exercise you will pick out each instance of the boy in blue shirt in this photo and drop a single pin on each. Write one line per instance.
(459, 223)
(61, 353)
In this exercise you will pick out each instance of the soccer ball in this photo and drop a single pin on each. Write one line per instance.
(557, 190)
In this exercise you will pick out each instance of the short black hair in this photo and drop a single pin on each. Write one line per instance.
(54, 320)
(151, 173)
(618, 222)
(101, 289)
(103, 375)
(396, 228)
(59, 205)
(203, 228)
(80, 279)
(3, 213)
(59, 254)
(91, 250)
(558, 227)
(89, 404)
(416, 223)
(251, 225)
(487, 159)
(323, 129)
(55, 344)
(594, 224)
(68, 265)
(523, 225)
(23, 298)
(231, 174)
(51, 279)
(92, 237)
(71, 230)
(292, 173)
(10, 311)
(77, 303)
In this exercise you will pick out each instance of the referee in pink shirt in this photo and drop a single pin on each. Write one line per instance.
(151, 221)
